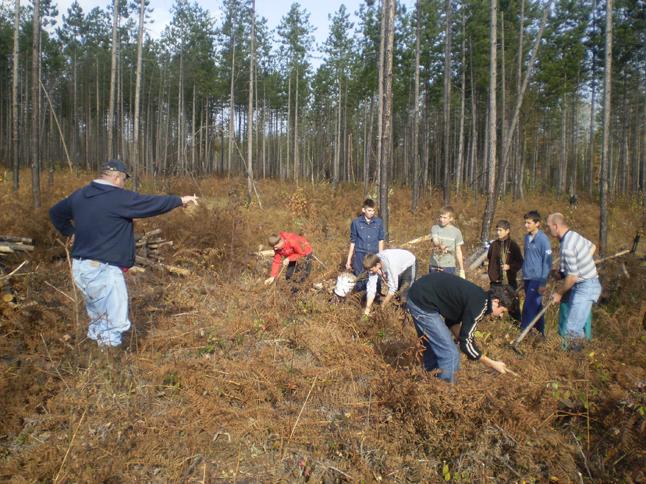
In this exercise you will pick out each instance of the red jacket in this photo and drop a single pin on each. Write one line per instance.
(295, 247)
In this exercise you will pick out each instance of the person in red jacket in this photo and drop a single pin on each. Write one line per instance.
(290, 248)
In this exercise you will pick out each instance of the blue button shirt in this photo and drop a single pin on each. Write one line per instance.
(366, 235)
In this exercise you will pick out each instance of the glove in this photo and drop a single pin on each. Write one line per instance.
(462, 274)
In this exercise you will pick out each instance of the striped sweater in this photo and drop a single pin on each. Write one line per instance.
(576, 257)
(457, 301)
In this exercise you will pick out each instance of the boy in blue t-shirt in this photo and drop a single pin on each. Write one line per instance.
(536, 268)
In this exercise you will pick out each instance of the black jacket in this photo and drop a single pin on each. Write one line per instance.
(457, 300)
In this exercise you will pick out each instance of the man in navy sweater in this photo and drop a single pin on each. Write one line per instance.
(443, 306)
(98, 217)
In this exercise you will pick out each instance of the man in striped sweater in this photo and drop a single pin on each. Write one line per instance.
(580, 284)
(443, 306)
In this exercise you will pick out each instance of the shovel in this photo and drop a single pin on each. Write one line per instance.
(521, 336)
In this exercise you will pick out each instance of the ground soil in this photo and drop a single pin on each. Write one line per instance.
(226, 380)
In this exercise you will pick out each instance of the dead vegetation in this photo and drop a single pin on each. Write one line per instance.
(227, 380)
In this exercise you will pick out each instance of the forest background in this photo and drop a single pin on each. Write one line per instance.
(492, 97)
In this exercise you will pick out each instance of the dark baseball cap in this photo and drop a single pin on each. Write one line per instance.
(116, 165)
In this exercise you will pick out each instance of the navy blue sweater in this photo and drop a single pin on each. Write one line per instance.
(102, 220)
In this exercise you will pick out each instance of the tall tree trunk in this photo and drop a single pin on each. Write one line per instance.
(490, 207)
(463, 86)
(140, 43)
(520, 174)
(447, 102)
(232, 123)
(35, 106)
(252, 52)
(297, 158)
(113, 77)
(380, 93)
(386, 146)
(590, 158)
(15, 154)
(415, 177)
(607, 83)
(337, 143)
(528, 76)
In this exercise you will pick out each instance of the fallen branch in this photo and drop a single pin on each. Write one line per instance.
(14, 271)
(424, 238)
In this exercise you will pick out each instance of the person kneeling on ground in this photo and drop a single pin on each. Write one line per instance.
(98, 217)
(396, 268)
(438, 303)
(290, 248)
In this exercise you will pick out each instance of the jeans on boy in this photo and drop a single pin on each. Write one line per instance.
(533, 305)
(582, 296)
(440, 349)
(448, 270)
(106, 300)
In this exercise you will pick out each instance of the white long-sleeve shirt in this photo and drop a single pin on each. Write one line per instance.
(393, 263)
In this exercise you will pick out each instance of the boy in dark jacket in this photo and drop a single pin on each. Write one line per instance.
(443, 305)
(98, 217)
(504, 256)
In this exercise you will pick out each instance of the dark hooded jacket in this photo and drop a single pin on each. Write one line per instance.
(100, 218)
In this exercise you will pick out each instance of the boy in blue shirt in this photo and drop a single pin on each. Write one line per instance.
(536, 268)
(366, 237)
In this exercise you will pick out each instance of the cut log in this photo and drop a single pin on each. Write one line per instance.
(12, 238)
(147, 235)
(17, 246)
(170, 268)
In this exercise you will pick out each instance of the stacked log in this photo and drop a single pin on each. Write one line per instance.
(10, 244)
(149, 255)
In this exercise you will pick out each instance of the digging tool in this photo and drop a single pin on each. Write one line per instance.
(630, 251)
(521, 336)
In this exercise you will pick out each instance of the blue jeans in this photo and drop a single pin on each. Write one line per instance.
(357, 267)
(533, 305)
(106, 300)
(580, 300)
(440, 350)
(448, 270)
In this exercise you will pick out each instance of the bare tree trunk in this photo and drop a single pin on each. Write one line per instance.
(447, 102)
(463, 86)
(380, 94)
(490, 207)
(232, 124)
(35, 106)
(113, 78)
(528, 76)
(140, 43)
(607, 84)
(289, 118)
(520, 174)
(15, 154)
(297, 161)
(250, 104)
(415, 177)
(386, 146)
